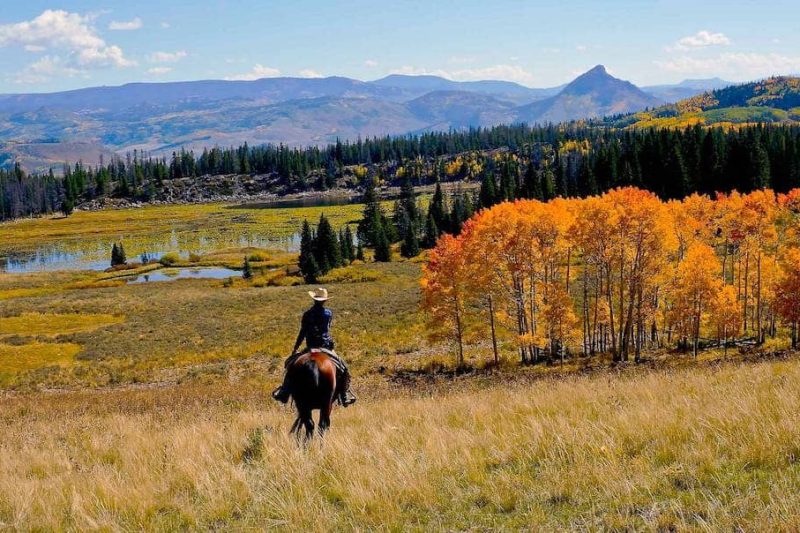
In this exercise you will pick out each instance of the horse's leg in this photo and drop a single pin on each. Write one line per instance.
(308, 422)
(295, 426)
(325, 417)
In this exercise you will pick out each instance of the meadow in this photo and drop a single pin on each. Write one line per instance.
(146, 406)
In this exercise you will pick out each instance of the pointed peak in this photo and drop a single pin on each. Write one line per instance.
(598, 69)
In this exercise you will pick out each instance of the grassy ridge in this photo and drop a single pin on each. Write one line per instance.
(712, 448)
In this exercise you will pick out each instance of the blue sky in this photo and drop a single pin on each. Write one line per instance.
(49, 46)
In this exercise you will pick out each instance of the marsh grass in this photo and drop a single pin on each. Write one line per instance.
(714, 448)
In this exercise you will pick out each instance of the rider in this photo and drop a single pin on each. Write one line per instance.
(315, 328)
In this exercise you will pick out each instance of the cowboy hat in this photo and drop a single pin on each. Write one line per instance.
(320, 294)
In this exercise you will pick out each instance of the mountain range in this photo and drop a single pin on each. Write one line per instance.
(41, 130)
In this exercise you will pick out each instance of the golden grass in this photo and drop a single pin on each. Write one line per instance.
(712, 448)
(203, 227)
(52, 325)
(34, 356)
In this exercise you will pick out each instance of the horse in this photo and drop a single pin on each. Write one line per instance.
(312, 385)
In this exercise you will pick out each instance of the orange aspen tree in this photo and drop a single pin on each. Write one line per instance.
(444, 290)
(787, 301)
(697, 284)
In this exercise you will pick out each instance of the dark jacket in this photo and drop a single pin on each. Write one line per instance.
(315, 328)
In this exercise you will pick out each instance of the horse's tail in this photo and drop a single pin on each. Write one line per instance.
(303, 377)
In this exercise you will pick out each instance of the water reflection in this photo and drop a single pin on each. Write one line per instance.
(96, 255)
(185, 273)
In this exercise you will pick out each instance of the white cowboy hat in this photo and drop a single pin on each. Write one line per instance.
(320, 294)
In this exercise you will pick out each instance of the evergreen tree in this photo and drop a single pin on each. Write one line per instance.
(360, 252)
(308, 264)
(383, 249)
(437, 208)
(67, 206)
(488, 192)
(410, 245)
(373, 220)
(247, 269)
(114, 255)
(327, 249)
(431, 232)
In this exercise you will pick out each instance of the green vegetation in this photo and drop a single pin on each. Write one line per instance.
(773, 100)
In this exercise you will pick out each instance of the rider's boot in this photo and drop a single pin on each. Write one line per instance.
(346, 396)
(281, 394)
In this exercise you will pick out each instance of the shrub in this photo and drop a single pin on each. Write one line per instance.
(169, 259)
(194, 258)
(350, 274)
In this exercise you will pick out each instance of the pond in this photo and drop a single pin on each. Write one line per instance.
(96, 255)
(173, 274)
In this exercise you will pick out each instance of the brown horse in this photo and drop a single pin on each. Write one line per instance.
(312, 385)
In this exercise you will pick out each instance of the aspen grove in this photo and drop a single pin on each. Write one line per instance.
(621, 273)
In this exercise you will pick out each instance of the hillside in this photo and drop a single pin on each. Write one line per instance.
(773, 100)
(163, 117)
(593, 94)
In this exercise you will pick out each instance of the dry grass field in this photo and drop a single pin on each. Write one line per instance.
(146, 406)
(691, 448)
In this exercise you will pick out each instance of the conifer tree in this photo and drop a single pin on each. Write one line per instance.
(348, 243)
(383, 249)
(308, 264)
(488, 193)
(360, 252)
(431, 232)
(327, 249)
(437, 208)
(410, 245)
(247, 270)
(114, 255)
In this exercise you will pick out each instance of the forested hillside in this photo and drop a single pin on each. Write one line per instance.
(511, 161)
(773, 100)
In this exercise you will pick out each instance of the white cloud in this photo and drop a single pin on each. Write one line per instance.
(125, 25)
(259, 71)
(492, 72)
(45, 68)
(158, 71)
(61, 32)
(164, 25)
(735, 66)
(462, 60)
(167, 57)
(701, 39)
(581, 48)
(370, 63)
(308, 73)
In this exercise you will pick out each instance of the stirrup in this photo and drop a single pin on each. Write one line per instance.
(280, 394)
(347, 399)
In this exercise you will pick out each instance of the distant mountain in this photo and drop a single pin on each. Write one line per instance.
(460, 109)
(593, 94)
(774, 99)
(506, 90)
(160, 118)
(194, 94)
(685, 89)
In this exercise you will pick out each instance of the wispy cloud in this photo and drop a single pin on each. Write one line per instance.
(125, 25)
(505, 72)
(167, 57)
(701, 39)
(370, 63)
(309, 73)
(159, 71)
(70, 38)
(257, 72)
(736, 66)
